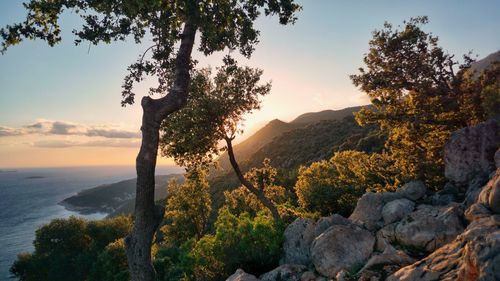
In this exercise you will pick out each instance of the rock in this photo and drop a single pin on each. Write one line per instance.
(476, 211)
(368, 211)
(429, 227)
(341, 247)
(290, 272)
(396, 210)
(241, 275)
(298, 238)
(325, 222)
(473, 255)
(497, 158)
(311, 276)
(389, 256)
(474, 188)
(490, 194)
(413, 190)
(342, 275)
(469, 152)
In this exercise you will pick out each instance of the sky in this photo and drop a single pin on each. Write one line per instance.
(60, 106)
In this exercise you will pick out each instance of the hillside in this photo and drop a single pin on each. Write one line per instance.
(244, 150)
(314, 117)
(111, 197)
(316, 142)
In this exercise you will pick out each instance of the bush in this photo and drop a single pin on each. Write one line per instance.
(253, 244)
(67, 249)
(334, 186)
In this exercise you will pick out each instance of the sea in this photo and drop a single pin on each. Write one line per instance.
(29, 199)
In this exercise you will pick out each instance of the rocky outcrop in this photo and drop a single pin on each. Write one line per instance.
(396, 210)
(474, 255)
(289, 272)
(368, 211)
(470, 152)
(410, 234)
(298, 238)
(341, 247)
(241, 275)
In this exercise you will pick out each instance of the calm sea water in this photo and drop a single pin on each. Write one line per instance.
(29, 197)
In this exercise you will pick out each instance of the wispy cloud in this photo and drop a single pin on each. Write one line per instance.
(50, 127)
(96, 143)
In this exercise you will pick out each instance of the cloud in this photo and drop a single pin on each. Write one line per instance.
(7, 131)
(97, 143)
(49, 127)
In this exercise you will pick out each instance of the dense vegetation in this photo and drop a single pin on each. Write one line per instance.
(214, 226)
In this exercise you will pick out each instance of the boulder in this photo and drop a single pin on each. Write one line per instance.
(396, 210)
(497, 158)
(290, 272)
(341, 247)
(473, 255)
(241, 275)
(470, 152)
(476, 211)
(413, 190)
(490, 194)
(368, 211)
(429, 227)
(298, 238)
(311, 276)
(325, 222)
(389, 256)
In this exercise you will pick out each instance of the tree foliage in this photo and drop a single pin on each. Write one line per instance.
(215, 110)
(188, 208)
(222, 24)
(67, 249)
(420, 95)
(334, 186)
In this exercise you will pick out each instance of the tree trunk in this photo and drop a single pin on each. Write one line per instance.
(148, 216)
(258, 192)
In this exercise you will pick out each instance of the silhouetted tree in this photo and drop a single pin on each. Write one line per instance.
(214, 114)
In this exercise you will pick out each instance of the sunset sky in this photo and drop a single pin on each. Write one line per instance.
(61, 106)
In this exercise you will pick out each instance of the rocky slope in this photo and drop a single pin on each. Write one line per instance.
(411, 234)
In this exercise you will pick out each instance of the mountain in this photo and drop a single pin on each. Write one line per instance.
(108, 198)
(244, 150)
(485, 62)
(318, 141)
(314, 117)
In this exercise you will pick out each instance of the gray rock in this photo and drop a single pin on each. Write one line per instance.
(326, 222)
(241, 275)
(474, 188)
(396, 210)
(429, 227)
(311, 276)
(497, 158)
(470, 152)
(298, 238)
(413, 190)
(389, 256)
(476, 211)
(290, 272)
(341, 247)
(490, 193)
(368, 211)
(473, 255)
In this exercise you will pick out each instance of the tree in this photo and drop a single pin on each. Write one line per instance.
(214, 113)
(221, 24)
(420, 95)
(68, 249)
(188, 208)
(334, 185)
(242, 199)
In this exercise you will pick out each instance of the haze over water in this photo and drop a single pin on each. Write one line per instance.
(29, 199)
